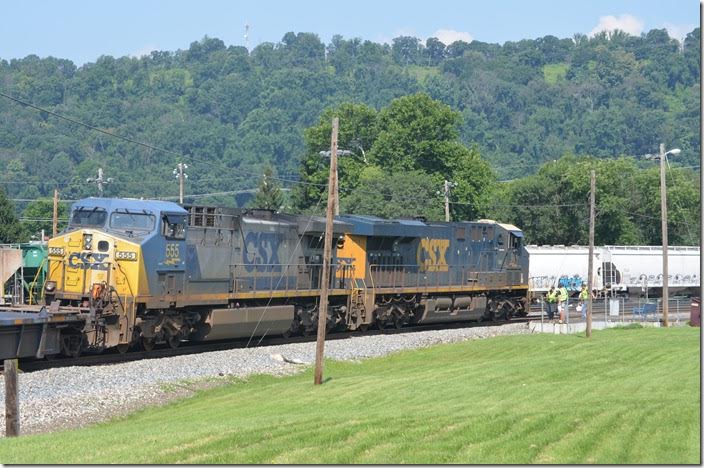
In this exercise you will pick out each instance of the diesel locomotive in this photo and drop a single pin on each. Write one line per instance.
(144, 272)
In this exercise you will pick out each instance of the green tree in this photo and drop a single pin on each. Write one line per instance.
(401, 195)
(269, 195)
(552, 205)
(11, 230)
(39, 214)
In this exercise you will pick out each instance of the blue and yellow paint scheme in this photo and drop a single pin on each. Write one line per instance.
(153, 271)
(111, 255)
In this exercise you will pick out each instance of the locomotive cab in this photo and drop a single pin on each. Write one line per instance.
(99, 262)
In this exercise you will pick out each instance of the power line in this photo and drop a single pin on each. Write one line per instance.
(136, 142)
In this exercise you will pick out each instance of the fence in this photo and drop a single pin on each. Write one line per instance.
(624, 310)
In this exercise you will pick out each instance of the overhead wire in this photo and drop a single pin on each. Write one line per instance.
(137, 142)
(243, 172)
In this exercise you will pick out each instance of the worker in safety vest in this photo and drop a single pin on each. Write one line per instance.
(551, 300)
(583, 297)
(562, 297)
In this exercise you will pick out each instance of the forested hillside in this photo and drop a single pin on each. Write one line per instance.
(231, 112)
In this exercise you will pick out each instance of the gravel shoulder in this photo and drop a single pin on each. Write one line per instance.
(71, 397)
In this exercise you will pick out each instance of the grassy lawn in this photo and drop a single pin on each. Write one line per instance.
(625, 396)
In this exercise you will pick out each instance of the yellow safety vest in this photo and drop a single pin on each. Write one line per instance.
(563, 294)
(552, 296)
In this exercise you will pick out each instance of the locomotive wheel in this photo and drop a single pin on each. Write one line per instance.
(173, 341)
(398, 323)
(148, 343)
(122, 348)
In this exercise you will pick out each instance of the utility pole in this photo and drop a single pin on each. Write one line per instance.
(327, 250)
(181, 175)
(663, 209)
(55, 216)
(447, 185)
(12, 403)
(326, 154)
(100, 180)
(337, 187)
(592, 202)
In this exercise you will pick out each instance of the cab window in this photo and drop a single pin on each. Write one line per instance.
(173, 226)
(132, 221)
(93, 217)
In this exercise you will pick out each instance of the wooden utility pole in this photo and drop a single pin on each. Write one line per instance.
(12, 404)
(337, 188)
(55, 216)
(100, 180)
(327, 254)
(446, 194)
(181, 176)
(663, 209)
(590, 285)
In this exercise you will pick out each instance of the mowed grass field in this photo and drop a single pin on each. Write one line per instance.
(623, 396)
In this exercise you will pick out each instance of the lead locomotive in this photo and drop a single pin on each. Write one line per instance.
(144, 272)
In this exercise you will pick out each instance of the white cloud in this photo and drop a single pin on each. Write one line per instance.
(678, 31)
(146, 50)
(626, 23)
(448, 36)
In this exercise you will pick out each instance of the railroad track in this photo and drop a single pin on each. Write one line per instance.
(114, 357)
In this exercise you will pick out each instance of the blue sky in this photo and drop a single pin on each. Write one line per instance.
(82, 30)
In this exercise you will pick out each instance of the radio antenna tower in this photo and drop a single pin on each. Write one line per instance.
(246, 36)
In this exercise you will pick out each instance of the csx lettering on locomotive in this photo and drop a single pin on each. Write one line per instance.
(88, 261)
(431, 254)
(261, 251)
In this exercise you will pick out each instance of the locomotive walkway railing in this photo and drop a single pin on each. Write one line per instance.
(288, 277)
(306, 277)
(435, 276)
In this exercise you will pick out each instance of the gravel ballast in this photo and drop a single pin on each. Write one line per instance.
(70, 397)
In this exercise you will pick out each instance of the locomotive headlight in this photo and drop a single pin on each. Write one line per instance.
(130, 256)
(87, 241)
(50, 287)
(56, 251)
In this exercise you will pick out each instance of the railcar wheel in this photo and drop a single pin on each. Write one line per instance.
(173, 341)
(148, 343)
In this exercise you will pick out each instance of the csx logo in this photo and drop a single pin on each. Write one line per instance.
(88, 261)
(261, 251)
(431, 254)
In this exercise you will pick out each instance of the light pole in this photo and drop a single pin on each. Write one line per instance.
(662, 156)
(181, 175)
(446, 187)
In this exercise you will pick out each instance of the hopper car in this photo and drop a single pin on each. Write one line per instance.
(618, 270)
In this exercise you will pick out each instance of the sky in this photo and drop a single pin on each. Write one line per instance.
(83, 30)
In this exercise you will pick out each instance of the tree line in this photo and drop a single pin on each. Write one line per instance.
(414, 114)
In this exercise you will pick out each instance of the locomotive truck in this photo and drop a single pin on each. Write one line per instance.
(128, 273)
